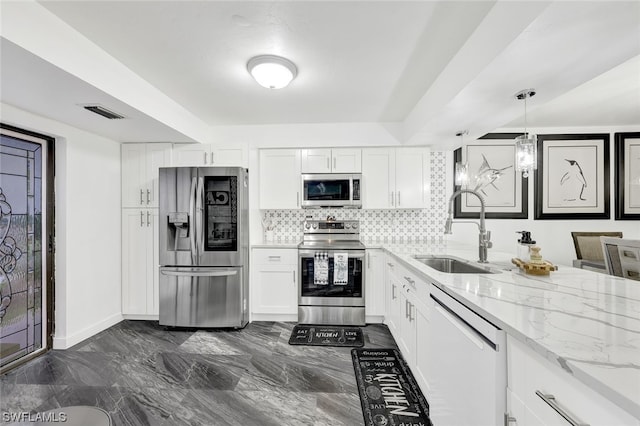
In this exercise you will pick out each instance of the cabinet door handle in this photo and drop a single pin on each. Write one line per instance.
(390, 264)
(141, 218)
(297, 199)
(141, 195)
(552, 402)
(213, 158)
(334, 164)
(508, 418)
(328, 165)
(148, 196)
(294, 276)
(393, 292)
(392, 199)
(410, 281)
(274, 257)
(368, 260)
(205, 157)
(398, 198)
(148, 219)
(412, 308)
(406, 308)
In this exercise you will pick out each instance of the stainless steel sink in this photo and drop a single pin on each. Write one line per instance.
(452, 265)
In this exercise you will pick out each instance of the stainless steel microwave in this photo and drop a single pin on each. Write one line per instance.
(331, 190)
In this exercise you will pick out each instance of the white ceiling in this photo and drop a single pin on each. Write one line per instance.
(435, 66)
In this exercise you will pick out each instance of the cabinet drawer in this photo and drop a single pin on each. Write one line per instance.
(538, 379)
(275, 256)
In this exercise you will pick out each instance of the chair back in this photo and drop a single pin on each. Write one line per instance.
(622, 257)
(587, 244)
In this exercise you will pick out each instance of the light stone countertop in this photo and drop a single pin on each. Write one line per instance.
(588, 323)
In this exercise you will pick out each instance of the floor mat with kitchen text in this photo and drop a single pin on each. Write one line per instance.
(326, 335)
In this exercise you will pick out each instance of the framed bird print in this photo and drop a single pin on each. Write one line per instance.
(491, 173)
(572, 180)
(627, 149)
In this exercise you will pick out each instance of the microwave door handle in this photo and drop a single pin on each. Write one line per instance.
(200, 214)
(192, 222)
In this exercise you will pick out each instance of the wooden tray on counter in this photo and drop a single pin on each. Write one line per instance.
(534, 268)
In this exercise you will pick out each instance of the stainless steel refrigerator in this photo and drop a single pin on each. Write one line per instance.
(204, 246)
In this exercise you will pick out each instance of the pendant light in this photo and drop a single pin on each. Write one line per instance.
(526, 144)
(272, 72)
(462, 169)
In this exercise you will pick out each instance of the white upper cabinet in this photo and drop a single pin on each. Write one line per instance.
(378, 177)
(411, 178)
(332, 160)
(236, 155)
(394, 178)
(279, 178)
(140, 164)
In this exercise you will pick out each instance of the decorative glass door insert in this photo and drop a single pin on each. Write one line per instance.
(23, 246)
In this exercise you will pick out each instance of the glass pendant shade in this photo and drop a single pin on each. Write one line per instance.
(526, 144)
(526, 154)
(462, 174)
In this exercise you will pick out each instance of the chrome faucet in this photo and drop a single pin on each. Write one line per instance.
(484, 239)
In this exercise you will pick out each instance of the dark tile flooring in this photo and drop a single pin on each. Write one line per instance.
(143, 374)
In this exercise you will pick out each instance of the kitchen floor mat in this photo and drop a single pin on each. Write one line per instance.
(326, 335)
(388, 391)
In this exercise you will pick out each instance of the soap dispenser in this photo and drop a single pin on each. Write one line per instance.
(524, 245)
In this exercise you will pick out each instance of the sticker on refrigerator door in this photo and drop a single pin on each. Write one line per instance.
(220, 198)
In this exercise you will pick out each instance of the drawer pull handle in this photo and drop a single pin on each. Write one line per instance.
(274, 257)
(552, 402)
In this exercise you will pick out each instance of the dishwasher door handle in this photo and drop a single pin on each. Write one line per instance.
(474, 335)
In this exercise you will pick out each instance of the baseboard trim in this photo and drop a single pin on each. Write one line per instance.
(275, 317)
(66, 342)
(374, 319)
(141, 317)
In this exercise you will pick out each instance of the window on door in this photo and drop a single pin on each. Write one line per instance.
(26, 204)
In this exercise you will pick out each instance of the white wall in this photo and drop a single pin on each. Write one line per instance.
(88, 253)
(553, 236)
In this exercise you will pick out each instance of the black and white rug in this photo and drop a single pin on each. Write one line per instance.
(388, 391)
(326, 335)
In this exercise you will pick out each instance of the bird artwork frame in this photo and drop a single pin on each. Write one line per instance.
(572, 179)
(627, 178)
(491, 164)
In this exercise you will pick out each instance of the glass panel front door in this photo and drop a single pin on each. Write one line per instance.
(22, 248)
(221, 213)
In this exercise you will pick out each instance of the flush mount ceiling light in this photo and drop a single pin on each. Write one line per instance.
(526, 144)
(272, 72)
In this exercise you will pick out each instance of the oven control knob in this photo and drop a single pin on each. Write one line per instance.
(347, 226)
(307, 225)
(354, 226)
(315, 226)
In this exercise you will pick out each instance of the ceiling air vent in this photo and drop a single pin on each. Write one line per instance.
(100, 110)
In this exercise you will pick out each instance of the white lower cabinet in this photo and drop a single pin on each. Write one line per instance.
(274, 286)
(140, 263)
(374, 292)
(392, 297)
(541, 393)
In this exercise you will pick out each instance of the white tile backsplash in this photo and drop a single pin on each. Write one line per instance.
(412, 225)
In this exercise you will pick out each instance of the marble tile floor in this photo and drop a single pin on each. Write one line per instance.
(144, 374)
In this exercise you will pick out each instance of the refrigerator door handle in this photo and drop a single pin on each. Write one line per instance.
(200, 215)
(192, 222)
(199, 273)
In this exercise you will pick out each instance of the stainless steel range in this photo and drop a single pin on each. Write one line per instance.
(332, 279)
